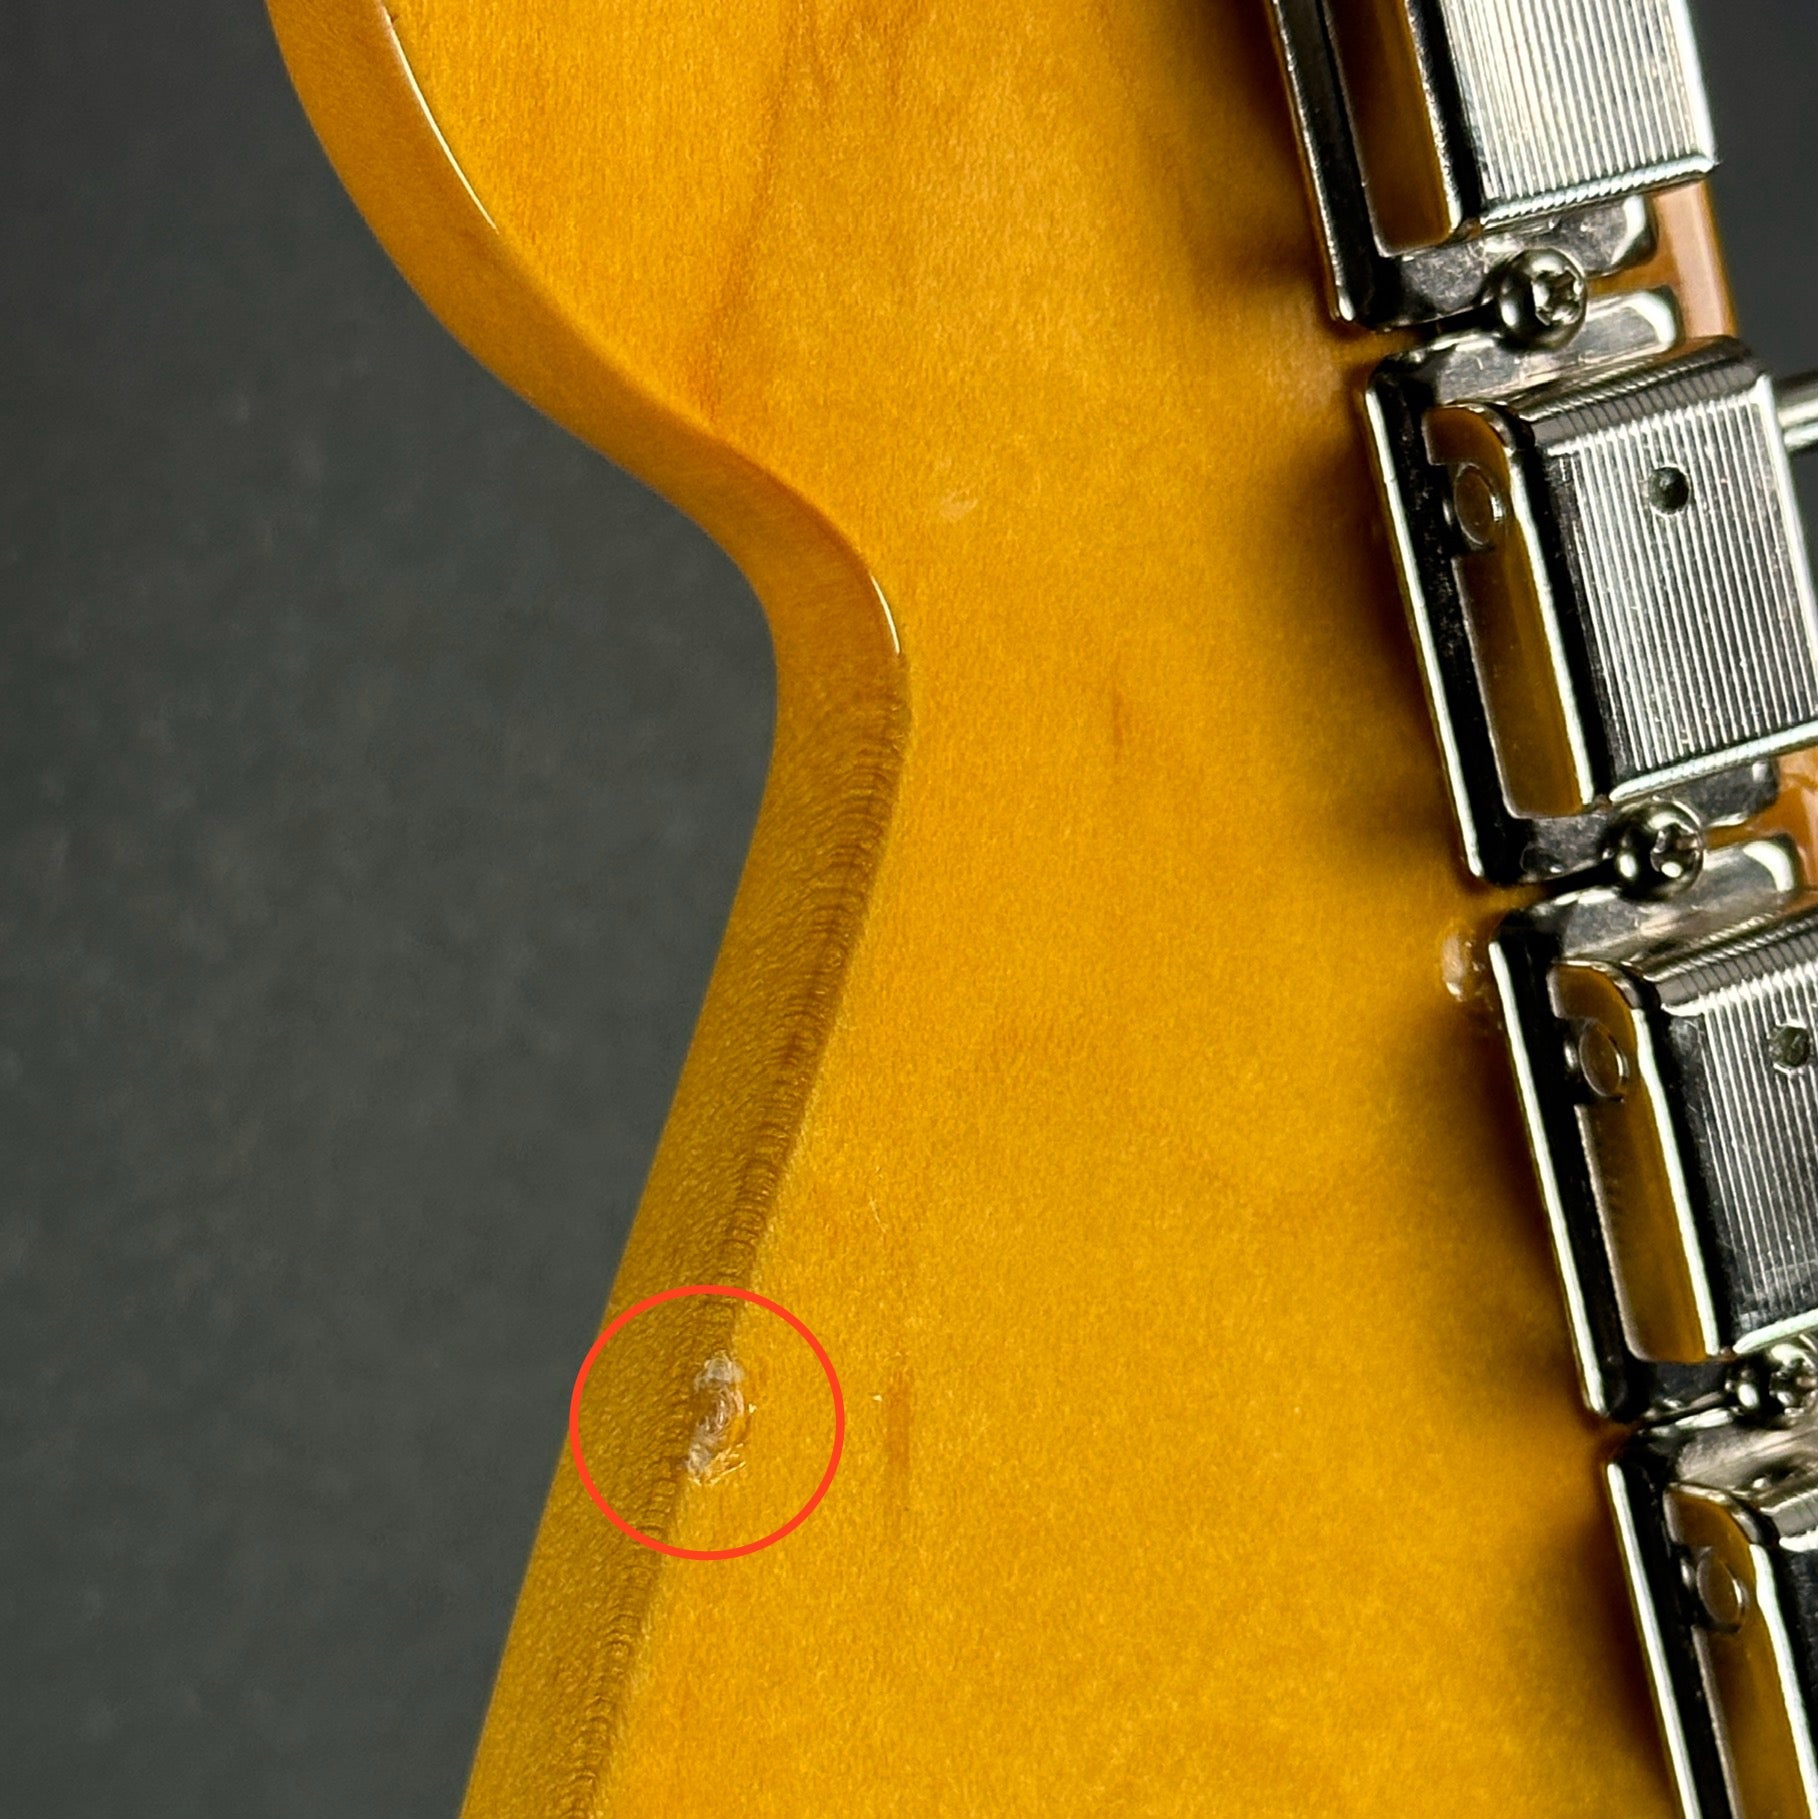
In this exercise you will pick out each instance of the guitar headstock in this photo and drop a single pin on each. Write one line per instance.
(1086, 1063)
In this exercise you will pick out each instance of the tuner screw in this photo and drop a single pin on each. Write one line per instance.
(1540, 297)
(1659, 852)
(1775, 1387)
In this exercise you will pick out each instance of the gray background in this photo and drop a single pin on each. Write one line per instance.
(377, 769)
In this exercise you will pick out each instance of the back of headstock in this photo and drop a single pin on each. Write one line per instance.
(1099, 1060)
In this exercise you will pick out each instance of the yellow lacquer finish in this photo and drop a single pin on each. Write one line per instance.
(1097, 1060)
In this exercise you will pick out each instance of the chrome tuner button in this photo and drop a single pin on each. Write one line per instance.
(1657, 1045)
(1471, 132)
(1717, 1526)
(1605, 560)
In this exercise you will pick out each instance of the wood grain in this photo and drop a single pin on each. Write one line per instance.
(1097, 1060)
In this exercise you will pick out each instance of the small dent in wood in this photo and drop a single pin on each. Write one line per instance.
(723, 1417)
(1465, 967)
(899, 1415)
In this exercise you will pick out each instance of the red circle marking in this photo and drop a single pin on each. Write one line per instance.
(731, 1294)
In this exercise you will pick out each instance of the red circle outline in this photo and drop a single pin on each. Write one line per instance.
(732, 1294)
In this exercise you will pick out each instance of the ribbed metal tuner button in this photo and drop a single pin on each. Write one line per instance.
(1447, 139)
(1719, 1529)
(1606, 563)
(1665, 1052)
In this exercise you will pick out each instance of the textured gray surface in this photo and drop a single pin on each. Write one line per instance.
(376, 771)
(1761, 57)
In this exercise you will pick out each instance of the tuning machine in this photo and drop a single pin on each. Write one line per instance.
(1666, 1051)
(1605, 564)
(1434, 169)
(1718, 1521)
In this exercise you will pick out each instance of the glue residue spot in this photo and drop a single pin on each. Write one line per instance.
(1461, 964)
(724, 1414)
